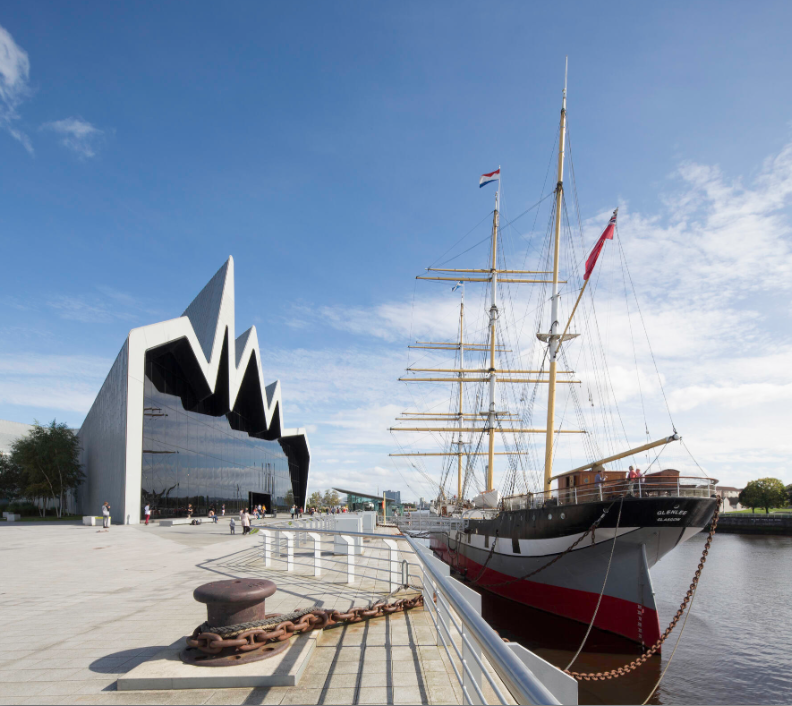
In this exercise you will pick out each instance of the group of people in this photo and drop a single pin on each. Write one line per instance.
(296, 512)
(634, 476)
(244, 519)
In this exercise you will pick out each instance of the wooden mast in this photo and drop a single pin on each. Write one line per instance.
(461, 382)
(493, 375)
(554, 338)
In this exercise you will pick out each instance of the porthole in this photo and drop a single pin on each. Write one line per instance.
(550, 517)
(563, 516)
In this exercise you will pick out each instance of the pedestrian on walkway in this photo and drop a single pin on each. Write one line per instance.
(245, 521)
(222, 511)
(106, 517)
(147, 512)
(233, 526)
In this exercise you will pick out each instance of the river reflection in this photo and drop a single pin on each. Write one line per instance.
(736, 645)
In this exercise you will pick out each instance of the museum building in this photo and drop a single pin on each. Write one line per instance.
(184, 422)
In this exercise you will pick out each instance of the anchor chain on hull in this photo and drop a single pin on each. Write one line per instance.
(627, 668)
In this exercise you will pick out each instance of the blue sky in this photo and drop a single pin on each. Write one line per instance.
(334, 149)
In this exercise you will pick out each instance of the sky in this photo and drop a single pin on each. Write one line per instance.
(334, 150)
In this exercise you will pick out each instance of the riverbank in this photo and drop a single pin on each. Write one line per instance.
(755, 524)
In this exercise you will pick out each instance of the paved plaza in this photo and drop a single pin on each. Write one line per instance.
(80, 607)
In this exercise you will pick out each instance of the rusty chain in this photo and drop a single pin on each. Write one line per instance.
(245, 638)
(627, 668)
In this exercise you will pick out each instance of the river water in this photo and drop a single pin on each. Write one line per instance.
(736, 647)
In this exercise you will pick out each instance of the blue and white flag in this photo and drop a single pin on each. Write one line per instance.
(456, 286)
(487, 178)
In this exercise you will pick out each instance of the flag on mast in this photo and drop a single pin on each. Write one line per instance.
(456, 286)
(607, 234)
(487, 178)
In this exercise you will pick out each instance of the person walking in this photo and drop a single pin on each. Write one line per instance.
(222, 510)
(293, 511)
(189, 510)
(233, 526)
(147, 512)
(245, 521)
(105, 517)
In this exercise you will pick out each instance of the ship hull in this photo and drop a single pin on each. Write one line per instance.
(497, 554)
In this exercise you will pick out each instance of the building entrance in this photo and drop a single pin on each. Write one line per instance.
(263, 499)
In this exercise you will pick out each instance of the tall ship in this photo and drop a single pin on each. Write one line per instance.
(578, 543)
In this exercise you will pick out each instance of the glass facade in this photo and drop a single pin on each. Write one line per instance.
(201, 458)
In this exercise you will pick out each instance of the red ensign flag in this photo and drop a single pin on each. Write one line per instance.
(607, 234)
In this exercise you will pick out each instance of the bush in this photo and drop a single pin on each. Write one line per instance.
(24, 508)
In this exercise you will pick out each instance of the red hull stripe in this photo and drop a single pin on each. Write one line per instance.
(616, 615)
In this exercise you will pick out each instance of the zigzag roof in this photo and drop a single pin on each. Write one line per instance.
(204, 325)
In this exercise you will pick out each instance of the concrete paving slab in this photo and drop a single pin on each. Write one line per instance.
(166, 670)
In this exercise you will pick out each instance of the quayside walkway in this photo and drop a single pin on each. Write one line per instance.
(81, 608)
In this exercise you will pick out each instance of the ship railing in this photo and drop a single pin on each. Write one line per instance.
(417, 524)
(487, 669)
(648, 487)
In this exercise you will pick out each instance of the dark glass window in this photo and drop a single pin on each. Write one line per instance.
(193, 458)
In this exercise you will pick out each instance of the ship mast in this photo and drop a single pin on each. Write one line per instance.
(493, 319)
(554, 339)
(461, 382)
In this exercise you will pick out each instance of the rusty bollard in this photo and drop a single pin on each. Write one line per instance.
(231, 603)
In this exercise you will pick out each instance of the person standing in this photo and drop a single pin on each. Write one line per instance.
(222, 511)
(106, 517)
(293, 511)
(233, 526)
(245, 521)
(147, 512)
(632, 477)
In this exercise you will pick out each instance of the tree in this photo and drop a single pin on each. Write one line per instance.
(331, 498)
(765, 492)
(12, 480)
(49, 460)
(289, 499)
(315, 500)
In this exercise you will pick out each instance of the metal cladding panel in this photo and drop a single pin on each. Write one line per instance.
(204, 311)
(103, 445)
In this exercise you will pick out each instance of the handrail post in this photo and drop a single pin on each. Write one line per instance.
(317, 540)
(350, 547)
(267, 547)
(393, 566)
(289, 550)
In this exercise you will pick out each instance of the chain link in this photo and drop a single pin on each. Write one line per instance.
(627, 668)
(246, 636)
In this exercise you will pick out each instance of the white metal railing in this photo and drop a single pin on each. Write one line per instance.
(454, 609)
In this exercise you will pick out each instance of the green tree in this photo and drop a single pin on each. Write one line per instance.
(49, 460)
(331, 498)
(12, 480)
(289, 499)
(765, 492)
(315, 500)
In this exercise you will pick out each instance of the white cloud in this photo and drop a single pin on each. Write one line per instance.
(14, 74)
(77, 135)
(56, 382)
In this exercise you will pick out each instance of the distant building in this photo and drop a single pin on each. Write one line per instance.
(358, 501)
(394, 495)
(729, 495)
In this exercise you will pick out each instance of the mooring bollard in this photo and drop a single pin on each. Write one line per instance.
(232, 603)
